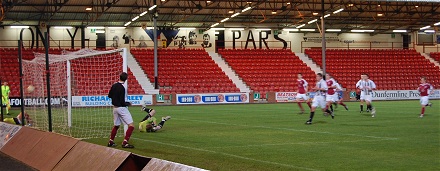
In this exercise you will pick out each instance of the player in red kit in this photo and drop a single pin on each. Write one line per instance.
(425, 90)
(301, 95)
(330, 97)
(334, 93)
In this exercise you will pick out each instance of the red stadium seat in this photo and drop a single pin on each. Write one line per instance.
(388, 68)
(184, 70)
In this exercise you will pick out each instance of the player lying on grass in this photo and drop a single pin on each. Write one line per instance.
(17, 120)
(149, 124)
(425, 90)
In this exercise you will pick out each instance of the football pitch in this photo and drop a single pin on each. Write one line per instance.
(274, 137)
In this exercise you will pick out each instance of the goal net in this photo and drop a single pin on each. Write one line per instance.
(79, 84)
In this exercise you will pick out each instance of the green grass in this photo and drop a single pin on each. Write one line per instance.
(274, 137)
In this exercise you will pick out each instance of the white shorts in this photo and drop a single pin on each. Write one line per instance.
(319, 101)
(121, 114)
(365, 97)
(301, 96)
(424, 100)
(332, 98)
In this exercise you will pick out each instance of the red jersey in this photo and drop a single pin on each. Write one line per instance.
(424, 89)
(302, 86)
(330, 83)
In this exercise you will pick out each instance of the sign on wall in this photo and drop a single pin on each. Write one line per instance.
(16, 102)
(215, 98)
(93, 101)
(401, 95)
(285, 96)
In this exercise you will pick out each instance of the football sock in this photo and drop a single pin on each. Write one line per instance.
(342, 103)
(328, 111)
(300, 106)
(128, 134)
(362, 107)
(423, 111)
(331, 107)
(146, 117)
(113, 134)
(162, 123)
(369, 107)
(309, 104)
(311, 116)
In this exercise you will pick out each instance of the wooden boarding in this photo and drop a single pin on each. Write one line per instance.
(163, 165)
(134, 162)
(38, 149)
(87, 156)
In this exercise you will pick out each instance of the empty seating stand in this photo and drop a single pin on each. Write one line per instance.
(390, 69)
(185, 71)
(435, 56)
(267, 70)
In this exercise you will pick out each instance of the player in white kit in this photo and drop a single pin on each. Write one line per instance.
(425, 90)
(301, 95)
(367, 86)
(319, 99)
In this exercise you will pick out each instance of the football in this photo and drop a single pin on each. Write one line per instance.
(30, 89)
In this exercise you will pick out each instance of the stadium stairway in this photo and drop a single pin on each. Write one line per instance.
(309, 62)
(432, 60)
(140, 75)
(229, 72)
(267, 70)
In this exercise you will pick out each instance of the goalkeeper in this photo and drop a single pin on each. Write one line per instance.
(17, 120)
(149, 124)
(5, 96)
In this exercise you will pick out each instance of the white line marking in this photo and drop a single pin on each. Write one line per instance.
(297, 143)
(287, 129)
(227, 154)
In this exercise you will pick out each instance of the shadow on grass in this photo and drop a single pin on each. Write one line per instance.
(320, 122)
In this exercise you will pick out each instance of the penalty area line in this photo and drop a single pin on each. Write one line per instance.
(288, 129)
(227, 154)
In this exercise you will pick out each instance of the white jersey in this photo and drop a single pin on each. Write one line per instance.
(338, 86)
(321, 84)
(364, 85)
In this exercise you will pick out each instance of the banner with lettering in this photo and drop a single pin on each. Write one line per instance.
(402, 94)
(215, 98)
(285, 96)
(92, 101)
(55, 101)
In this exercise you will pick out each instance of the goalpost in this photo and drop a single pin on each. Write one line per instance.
(80, 81)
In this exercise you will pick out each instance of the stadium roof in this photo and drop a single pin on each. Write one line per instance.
(378, 15)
